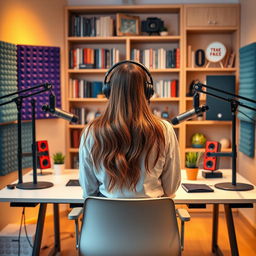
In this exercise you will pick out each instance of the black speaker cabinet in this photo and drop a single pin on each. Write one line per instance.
(219, 109)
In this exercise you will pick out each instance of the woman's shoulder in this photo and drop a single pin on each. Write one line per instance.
(87, 135)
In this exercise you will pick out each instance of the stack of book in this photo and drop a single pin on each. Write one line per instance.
(81, 25)
(80, 88)
(157, 58)
(83, 58)
(166, 88)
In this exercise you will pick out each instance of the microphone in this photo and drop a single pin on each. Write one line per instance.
(189, 114)
(60, 113)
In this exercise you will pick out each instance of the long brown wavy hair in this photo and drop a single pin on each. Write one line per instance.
(127, 129)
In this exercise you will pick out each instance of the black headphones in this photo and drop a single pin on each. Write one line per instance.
(148, 89)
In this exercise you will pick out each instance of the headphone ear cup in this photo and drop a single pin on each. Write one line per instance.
(149, 90)
(106, 90)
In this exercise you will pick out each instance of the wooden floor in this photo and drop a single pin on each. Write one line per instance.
(197, 236)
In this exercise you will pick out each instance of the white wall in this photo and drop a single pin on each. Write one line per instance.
(246, 165)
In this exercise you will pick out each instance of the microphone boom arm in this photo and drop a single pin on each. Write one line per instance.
(234, 103)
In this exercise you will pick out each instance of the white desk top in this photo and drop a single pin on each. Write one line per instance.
(60, 193)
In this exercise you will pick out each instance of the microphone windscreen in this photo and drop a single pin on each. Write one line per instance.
(74, 119)
(175, 121)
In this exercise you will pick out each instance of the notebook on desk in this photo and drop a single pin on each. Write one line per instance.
(196, 188)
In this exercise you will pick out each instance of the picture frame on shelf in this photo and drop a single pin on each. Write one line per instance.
(127, 25)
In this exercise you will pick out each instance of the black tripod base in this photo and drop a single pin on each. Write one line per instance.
(32, 186)
(238, 187)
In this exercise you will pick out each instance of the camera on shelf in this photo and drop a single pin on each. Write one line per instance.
(152, 25)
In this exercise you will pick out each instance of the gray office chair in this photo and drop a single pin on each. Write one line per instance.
(129, 227)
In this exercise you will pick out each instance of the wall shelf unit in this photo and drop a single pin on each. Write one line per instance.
(184, 28)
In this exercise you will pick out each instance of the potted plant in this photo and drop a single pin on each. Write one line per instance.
(164, 31)
(192, 161)
(58, 162)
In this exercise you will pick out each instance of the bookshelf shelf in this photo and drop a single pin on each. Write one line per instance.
(211, 69)
(114, 39)
(73, 150)
(88, 100)
(103, 71)
(165, 99)
(87, 71)
(208, 122)
(182, 33)
(155, 39)
(212, 30)
(76, 126)
(110, 39)
(167, 70)
(202, 98)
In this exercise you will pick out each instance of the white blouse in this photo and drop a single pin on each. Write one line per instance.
(162, 180)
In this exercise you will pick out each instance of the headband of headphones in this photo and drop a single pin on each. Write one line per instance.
(149, 90)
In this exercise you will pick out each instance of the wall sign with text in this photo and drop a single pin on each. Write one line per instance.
(215, 53)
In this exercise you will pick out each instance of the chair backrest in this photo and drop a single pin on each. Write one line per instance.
(125, 227)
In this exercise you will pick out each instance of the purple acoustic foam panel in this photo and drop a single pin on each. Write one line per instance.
(38, 65)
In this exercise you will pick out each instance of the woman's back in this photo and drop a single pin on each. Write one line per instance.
(125, 152)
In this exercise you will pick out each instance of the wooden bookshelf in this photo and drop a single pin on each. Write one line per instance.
(204, 24)
(183, 30)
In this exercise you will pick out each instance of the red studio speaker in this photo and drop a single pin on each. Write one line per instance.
(211, 162)
(43, 154)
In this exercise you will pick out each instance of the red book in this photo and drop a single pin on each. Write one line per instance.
(174, 88)
(88, 58)
(85, 56)
(178, 58)
(75, 138)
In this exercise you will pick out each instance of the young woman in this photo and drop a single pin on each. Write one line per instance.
(128, 152)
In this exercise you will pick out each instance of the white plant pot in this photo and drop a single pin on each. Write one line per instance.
(164, 33)
(59, 168)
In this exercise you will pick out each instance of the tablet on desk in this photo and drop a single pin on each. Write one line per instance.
(196, 188)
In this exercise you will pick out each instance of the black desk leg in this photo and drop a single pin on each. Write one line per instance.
(39, 229)
(231, 230)
(56, 249)
(215, 225)
(56, 226)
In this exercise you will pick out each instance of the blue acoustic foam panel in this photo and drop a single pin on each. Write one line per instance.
(38, 65)
(9, 146)
(247, 88)
(8, 80)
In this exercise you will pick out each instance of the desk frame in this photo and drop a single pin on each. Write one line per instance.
(60, 194)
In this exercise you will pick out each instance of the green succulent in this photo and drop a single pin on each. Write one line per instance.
(58, 158)
(192, 159)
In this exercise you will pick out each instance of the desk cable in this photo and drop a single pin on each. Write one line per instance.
(23, 221)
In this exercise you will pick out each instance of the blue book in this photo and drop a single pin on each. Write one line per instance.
(96, 88)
